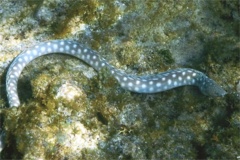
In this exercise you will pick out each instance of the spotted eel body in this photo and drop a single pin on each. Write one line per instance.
(141, 84)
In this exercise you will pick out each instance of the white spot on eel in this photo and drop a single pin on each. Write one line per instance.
(141, 84)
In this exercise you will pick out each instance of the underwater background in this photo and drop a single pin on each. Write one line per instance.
(69, 111)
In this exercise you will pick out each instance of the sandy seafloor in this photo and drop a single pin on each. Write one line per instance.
(69, 111)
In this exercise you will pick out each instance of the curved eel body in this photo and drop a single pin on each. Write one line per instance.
(141, 84)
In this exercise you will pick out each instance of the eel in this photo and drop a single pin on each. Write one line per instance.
(140, 84)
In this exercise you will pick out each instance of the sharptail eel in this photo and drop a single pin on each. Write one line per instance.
(141, 84)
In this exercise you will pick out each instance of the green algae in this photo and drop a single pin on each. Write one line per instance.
(225, 9)
(89, 10)
(218, 49)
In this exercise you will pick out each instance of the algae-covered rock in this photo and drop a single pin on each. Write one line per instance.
(69, 111)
